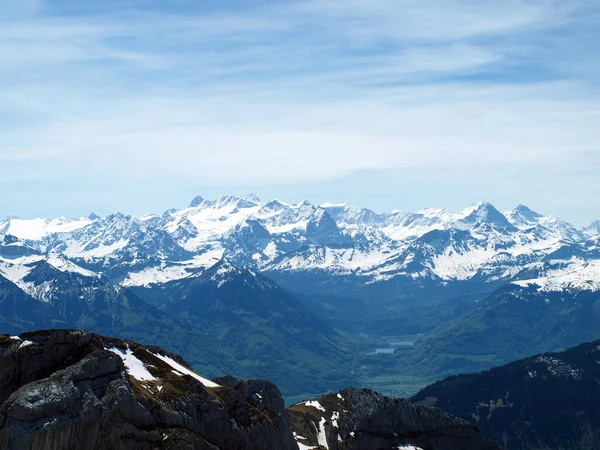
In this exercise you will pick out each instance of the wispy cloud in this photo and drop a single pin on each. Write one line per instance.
(274, 92)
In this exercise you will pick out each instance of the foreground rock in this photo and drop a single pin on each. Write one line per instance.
(360, 419)
(68, 389)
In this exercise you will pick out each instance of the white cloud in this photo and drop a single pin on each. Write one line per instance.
(302, 91)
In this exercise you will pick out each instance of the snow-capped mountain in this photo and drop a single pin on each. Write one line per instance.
(299, 242)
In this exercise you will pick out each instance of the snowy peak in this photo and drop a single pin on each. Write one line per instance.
(222, 272)
(272, 207)
(485, 213)
(251, 198)
(322, 229)
(277, 237)
(523, 217)
(196, 201)
(593, 229)
(229, 200)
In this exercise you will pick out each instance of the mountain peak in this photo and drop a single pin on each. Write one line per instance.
(523, 217)
(222, 271)
(251, 198)
(593, 229)
(303, 203)
(484, 212)
(197, 201)
(526, 212)
(231, 200)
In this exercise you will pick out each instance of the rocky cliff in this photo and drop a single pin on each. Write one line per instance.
(360, 419)
(71, 389)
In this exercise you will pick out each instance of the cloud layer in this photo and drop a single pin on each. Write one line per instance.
(272, 93)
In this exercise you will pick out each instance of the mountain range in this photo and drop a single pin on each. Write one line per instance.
(235, 283)
(477, 245)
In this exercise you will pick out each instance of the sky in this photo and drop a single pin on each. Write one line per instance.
(139, 105)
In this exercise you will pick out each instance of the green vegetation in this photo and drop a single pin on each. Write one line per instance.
(544, 402)
(509, 324)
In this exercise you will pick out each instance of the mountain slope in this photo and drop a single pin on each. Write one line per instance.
(547, 401)
(260, 323)
(511, 323)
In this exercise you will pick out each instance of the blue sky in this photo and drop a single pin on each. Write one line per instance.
(137, 106)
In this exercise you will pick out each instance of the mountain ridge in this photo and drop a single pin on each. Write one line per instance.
(546, 401)
(340, 240)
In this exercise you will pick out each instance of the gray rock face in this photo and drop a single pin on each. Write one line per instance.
(360, 419)
(70, 389)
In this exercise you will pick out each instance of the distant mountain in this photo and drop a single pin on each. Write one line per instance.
(593, 229)
(549, 401)
(77, 390)
(522, 217)
(305, 241)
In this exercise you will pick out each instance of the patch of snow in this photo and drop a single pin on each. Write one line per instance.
(322, 435)
(155, 275)
(78, 250)
(575, 273)
(334, 418)
(271, 251)
(37, 229)
(460, 265)
(26, 343)
(559, 367)
(135, 367)
(65, 265)
(315, 404)
(185, 371)
(332, 205)
(302, 446)
(14, 272)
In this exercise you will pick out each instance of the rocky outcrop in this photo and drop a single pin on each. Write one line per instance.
(71, 389)
(76, 390)
(360, 419)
